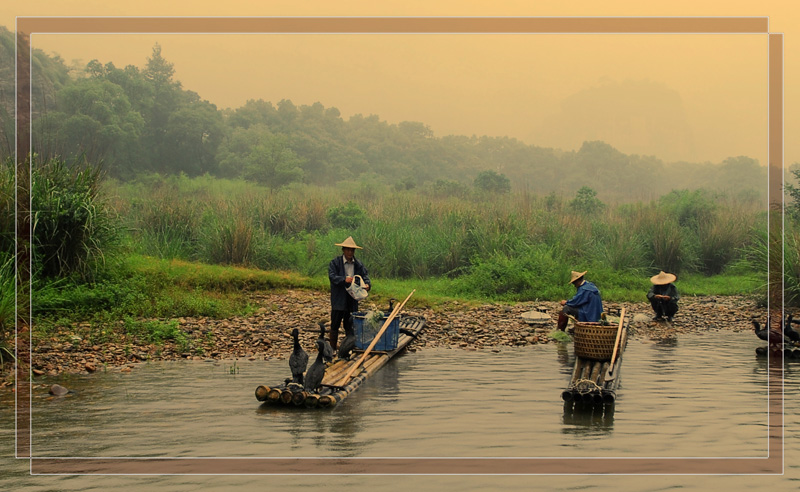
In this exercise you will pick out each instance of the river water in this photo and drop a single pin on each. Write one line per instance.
(699, 395)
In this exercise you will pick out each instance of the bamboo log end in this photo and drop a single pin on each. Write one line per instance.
(273, 395)
(262, 392)
(299, 397)
(326, 401)
(311, 400)
(286, 396)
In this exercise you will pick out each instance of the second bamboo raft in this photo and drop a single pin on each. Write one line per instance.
(588, 383)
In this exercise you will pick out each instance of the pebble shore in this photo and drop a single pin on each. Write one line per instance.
(264, 335)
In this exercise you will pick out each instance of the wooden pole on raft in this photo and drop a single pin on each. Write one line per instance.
(375, 340)
(610, 374)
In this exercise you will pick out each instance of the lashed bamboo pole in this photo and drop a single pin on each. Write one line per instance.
(595, 371)
(274, 395)
(299, 397)
(576, 371)
(262, 392)
(602, 378)
(331, 376)
(375, 340)
(312, 400)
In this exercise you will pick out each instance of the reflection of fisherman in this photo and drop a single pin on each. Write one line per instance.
(585, 305)
(341, 271)
(663, 296)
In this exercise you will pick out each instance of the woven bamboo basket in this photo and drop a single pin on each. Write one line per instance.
(594, 341)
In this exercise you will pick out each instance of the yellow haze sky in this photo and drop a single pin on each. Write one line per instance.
(698, 97)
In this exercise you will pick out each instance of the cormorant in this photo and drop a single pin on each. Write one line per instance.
(316, 372)
(347, 346)
(788, 331)
(774, 337)
(760, 333)
(327, 351)
(298, 360)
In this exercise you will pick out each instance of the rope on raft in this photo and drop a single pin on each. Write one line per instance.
(584, 386)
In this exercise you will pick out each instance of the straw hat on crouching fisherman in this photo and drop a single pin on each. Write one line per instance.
(349, 243)
(576, 276)
(663, 278)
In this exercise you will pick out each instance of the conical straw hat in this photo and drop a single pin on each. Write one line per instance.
(349, 243)
(663, 278)
(576, 275)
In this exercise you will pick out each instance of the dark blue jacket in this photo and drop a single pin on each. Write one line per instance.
(587, 300)
(340, 299)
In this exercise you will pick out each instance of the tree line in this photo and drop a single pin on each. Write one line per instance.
(141, 120)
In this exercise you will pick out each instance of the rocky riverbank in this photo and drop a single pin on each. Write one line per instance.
(265, 334)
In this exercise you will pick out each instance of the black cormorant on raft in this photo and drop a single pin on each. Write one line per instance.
(298, 360)
(780, 338)
(598, 360)
(316, 372)
(327, 350)
(342, 377)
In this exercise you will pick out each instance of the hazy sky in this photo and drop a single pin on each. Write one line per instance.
(689, 97)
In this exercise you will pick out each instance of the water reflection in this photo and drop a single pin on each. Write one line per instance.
(668, 341)
(563, 356)
(587, 419)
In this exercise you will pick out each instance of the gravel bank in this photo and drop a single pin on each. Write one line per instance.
(264, 335)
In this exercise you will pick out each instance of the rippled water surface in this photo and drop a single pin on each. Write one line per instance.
(695, 396)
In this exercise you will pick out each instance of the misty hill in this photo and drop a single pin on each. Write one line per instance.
(141, 120)
(639, 114)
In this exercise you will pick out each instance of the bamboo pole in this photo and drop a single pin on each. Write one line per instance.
(311, 400)
(299, 397)
(587, 369)
(286, 396)
(262, 392)
(333, 376)
(595, 371)
(375, 340)
(576, 371)
(273, 395)
(610, 374)
(602, 379)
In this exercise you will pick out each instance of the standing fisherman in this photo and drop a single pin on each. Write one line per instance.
(341, 272)
(663, 296)
(585, 305)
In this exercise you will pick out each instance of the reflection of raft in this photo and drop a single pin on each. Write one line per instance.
(594, 378)
(292, 395)
(789, 354)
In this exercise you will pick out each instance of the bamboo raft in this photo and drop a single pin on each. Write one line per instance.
(598, 361)
(292, 395)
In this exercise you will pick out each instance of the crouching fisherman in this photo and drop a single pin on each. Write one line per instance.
(663, 296)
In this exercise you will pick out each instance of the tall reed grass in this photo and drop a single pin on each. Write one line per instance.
(418, 234)
(7, 305)
(73, 227)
